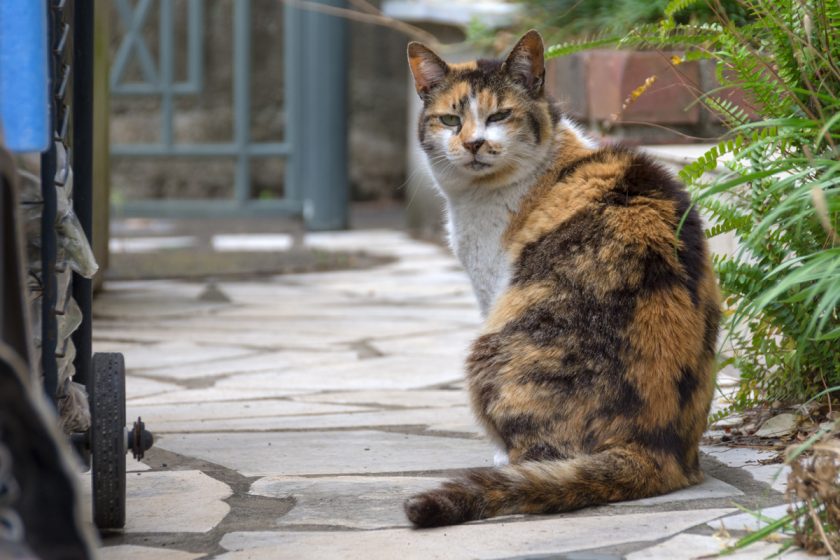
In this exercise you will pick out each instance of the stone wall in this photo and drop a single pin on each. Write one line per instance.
(378, 103)
(377, 106)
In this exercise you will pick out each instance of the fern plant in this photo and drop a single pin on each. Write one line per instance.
(779, 189)
(577, 17)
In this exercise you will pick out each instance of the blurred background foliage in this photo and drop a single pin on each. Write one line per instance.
(564, 19)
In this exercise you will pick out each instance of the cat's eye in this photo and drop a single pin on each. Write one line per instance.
(498, 117)
(450, 120)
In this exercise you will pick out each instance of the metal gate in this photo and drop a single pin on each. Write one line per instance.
(312, 95)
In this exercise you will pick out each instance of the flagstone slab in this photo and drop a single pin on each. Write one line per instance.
(464, 299)
(337, 452)
(377, 242)
(455, 343)
(748, 522)
(456, 419)
(691, 547)
(263, 361)
(199, 413)
(359, 502)
(133, 465)
(388, 372)
(151, 299)
(390, 288)
(170, 501)
(174, 502)
(133, 552)
(115, 346)
(413, 399)
(681, 547)
(256, 338)
(212, 394)
(177, 352)
(348, 327)
(774, 475)
(272, 294)
(710, 488)
(738, 456)
(749, 459)
(149, 244)
(274, 242)
(450, 316)
(424, 263)
(486, 540)
(136, 387)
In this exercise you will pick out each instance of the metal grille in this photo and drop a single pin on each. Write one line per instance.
(157, 78)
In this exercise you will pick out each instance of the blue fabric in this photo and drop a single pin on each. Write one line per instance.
(24, 75)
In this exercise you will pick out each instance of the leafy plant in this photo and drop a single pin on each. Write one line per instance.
(779, 191)
(579, 17)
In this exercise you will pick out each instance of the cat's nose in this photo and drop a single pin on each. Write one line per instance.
(475, 145)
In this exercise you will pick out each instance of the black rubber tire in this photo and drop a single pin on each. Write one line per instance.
(107, 439)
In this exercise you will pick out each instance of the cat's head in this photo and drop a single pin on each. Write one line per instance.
(486, 121)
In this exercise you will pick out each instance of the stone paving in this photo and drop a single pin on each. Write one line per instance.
(294, 415)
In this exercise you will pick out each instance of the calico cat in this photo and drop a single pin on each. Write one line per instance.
(594, 369)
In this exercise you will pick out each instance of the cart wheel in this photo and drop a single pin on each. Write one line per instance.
(108, 439)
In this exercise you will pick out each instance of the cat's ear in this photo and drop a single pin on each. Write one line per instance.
(428, 68)
(526, 62)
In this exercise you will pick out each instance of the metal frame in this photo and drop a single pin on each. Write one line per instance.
(58, 33)
(315, 82)
(82, 142)
(160, 81)
(133, 22)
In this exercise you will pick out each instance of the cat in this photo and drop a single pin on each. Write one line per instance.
(594, 369)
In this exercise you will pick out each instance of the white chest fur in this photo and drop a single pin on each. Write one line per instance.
(477, 221)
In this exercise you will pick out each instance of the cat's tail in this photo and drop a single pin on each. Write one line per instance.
(547, 487)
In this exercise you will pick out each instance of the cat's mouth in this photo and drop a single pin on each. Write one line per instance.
(477, 165)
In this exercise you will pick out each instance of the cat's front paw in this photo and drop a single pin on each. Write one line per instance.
(500, 459)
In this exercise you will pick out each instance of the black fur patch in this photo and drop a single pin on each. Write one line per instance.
(565, 381)
(512, 427)
(658, 273)
(487, 75)
(711, 319)
(536, 128)
(488, 65)
(544, 452)
(686, 385)
(644, 177)
(554, 112)
(421, 128)
(486, 357)
(619, 398)
(544, 258)
(573, 166)
(663, 440)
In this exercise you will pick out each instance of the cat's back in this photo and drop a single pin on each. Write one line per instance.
(614, 220)
(613, 301)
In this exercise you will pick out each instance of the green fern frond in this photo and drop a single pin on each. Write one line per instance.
(708, 162)
(576, 46)
(739, 224)
(676, 6)
(732, 115)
